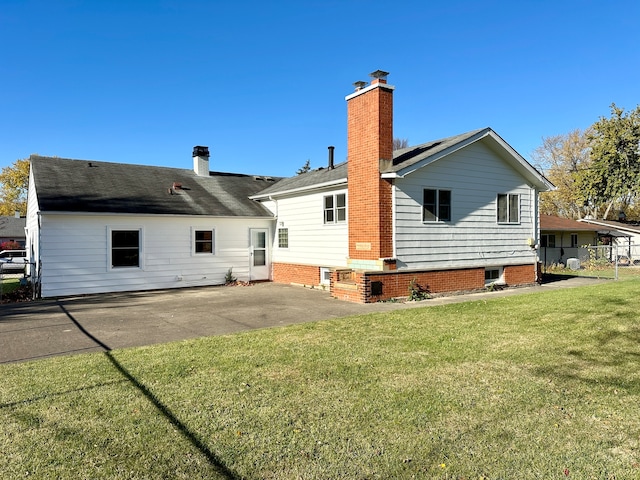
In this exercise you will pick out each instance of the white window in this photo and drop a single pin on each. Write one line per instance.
(125, 246)
(335, 208)
(493, 275)
(508, 208)
(204, 241)
(574, 240)
(436, 205)
(325, 276)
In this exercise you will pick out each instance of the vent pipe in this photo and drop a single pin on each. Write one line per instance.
(331, 149)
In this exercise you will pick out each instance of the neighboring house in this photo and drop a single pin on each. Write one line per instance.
(12, 229)
(449, 215)
(563, 238)
(624, 234)
(452, 214)
(97, 227)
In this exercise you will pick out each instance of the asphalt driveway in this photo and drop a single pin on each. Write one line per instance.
(47, 328)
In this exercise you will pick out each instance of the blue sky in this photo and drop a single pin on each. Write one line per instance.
(262, 84)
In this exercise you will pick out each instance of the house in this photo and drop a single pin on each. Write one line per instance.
(95, 227)
(623, 235)
(447, 215)
(563, 238)
(451, 214)
(12, 229)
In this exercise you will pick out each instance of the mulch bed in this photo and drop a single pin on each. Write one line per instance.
(20, 294)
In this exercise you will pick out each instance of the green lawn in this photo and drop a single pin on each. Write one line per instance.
(8, 285)
(534, 386)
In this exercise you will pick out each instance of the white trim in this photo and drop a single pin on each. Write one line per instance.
(368, 88)
(154, 215)
(214, 242)
(497, 281)
(519, 161)
(140, 229)
(323, 271)
(315, 186)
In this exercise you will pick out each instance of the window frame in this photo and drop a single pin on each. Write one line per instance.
(499, 278)
(110, 247)
(335, 213)
(195, 241)
(544, 240)
(283, 240)
(574, 240)
(507, 218)
(438, 205)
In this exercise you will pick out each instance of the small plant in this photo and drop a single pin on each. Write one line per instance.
(229, 278)
(416, 291)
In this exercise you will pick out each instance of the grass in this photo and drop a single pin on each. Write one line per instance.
(536, 386)
(8, 285)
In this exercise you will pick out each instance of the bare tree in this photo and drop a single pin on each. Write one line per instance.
(400, 143)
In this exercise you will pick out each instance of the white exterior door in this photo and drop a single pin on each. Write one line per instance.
(260, 265)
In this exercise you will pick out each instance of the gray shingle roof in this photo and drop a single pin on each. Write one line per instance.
(406, 157)
(403, 158)
(308, 179)
(64, 185)
(12, 227)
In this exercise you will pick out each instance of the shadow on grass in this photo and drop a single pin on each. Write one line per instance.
(610, 360)
(213, 459)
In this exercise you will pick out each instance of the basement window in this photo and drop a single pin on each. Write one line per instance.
(493, 275)
(335, 208)
(204, 241)
(125, 248)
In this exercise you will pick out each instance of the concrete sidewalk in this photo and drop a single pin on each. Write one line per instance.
(47, 328)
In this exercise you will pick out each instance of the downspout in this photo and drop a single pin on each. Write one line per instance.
(535, 215)
(393, 221)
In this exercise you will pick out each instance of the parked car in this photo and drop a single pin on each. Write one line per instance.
(13, 261)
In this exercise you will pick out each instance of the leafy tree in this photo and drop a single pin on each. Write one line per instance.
(399, 143)
(305, 168)
(562, 158)
(14, 182)
(613, 177)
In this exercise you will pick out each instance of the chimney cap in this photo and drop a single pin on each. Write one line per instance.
(199, 151)
(359, 85)
(379, 74)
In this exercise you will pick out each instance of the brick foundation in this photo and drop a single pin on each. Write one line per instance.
(294, 273)
(519, 274)
(370, 287)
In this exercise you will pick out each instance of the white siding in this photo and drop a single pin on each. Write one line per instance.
(473, 237)
(33, 231)
(311, 241)
(75, 257)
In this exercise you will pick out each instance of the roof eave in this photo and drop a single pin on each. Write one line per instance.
(534, 177)
(308, 188)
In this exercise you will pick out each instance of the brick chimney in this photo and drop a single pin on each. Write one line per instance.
(370, 146)
(201, 161)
